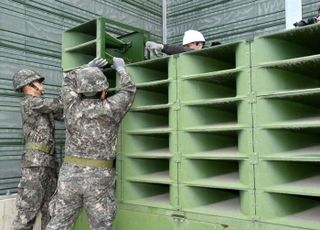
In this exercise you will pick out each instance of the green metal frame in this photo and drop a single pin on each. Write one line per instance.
(287, 127)
(92, 39)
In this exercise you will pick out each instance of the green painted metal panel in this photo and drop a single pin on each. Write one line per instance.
(136, 41)
(92, 39)
(142, 220)
(147, 219)
(291, 210)
(247, 119)
(216, 176)
(271, 49)
(149, 137)
(137, 220)
(190, 225)
(286, 127)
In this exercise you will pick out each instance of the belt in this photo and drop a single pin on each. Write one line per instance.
(88, 162)
(37, 146)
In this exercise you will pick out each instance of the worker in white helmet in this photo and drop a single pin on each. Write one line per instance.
(192, 40)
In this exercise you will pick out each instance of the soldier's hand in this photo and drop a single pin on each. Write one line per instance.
(118, 64)
(98, 62)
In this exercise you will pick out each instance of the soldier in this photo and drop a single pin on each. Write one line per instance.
(87, 176)
(38, 166)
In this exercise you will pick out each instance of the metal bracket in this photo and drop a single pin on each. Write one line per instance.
(178, 218)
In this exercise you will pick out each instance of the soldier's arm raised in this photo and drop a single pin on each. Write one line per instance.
(123, 99)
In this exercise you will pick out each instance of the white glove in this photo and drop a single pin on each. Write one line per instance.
(118, 64)
(154, 46)
(98, 62)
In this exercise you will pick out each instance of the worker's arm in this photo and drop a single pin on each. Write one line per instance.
(165, 48)
(174, 49)
(305, 22)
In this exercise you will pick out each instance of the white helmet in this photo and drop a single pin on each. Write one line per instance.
(192, 36)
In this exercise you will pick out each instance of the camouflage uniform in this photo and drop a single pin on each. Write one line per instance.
(91, 134)
(38, 167)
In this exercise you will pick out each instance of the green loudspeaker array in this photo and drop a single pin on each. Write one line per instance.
(216, 174)
(93, 39)
(287, 127)
(149, 137)
(225, 137)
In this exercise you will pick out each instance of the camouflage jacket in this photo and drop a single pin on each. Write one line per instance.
(38, 114)
(92, 124)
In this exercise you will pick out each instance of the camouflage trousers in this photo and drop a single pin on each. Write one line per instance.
(88, 187)
(36, 186)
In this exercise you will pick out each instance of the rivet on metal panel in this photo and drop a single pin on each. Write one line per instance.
(254, 159)
(252, 98)
(177, 158)
(177, 105)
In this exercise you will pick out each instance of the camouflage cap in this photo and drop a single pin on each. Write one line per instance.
(24, 77)
(91, 79)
